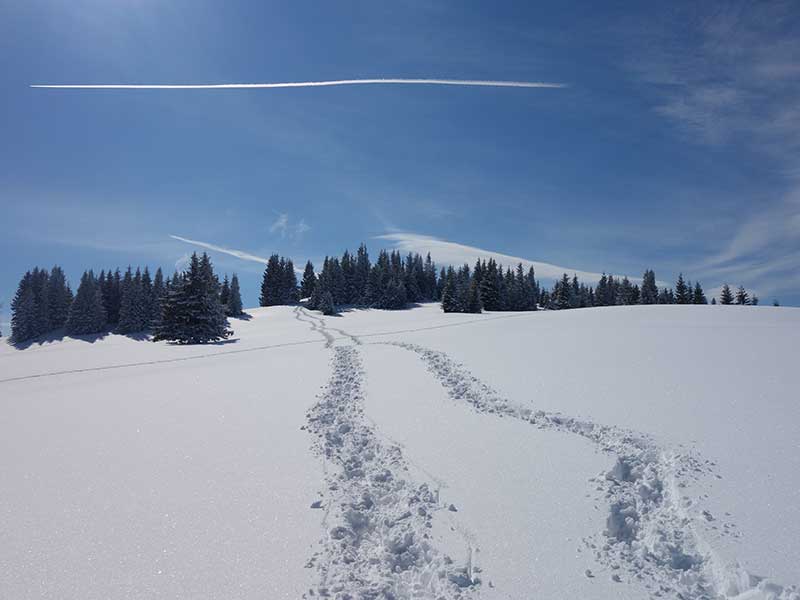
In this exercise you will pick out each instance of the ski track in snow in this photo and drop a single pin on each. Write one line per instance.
(650, 533)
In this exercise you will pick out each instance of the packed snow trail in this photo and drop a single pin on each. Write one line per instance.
(378, 543)
(649, 534)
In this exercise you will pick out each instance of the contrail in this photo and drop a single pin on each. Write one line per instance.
(231, 251)
(302, 84)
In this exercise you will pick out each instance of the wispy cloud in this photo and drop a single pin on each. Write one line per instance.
(302, 84)
(280, 224)
(230, 251)
(452, 253)
(284, 226)
(728, 78)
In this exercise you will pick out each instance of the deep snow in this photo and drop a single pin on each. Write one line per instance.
(601, 453)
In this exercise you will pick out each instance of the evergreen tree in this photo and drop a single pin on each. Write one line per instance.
(754, 300)
(361, 276)
(394, 296)
(474, 297)
(309, 281)
(192, 312)
(713, 301)
(235, 298)
(682, 293)
(726, 296)
(449, 303)
(561, 293)
(132, 310)
(225, 292)
(272, 283)
(490, 287)
(326, 304)
(87, 313)
(23, 311)
(289, 292)
(159, 291)
(742, 297)
(649, 292)
(699, 297)
(59, 299)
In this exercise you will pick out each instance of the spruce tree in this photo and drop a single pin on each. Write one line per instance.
(449, 303)
(682, 294)
(59, 299)
(235, 298)
(474, 297)
(192, 311)
(23, 311)
(490, 287)
(87, 313)
(726, 296)
(742, 297)
(326, 304)
(699, 297)
(309, 281)
(159, 291)
(271, 283)
(649, 291)
(225, 292)
(561, 293)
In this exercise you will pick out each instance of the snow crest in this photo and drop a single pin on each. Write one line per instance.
(649, 533)
(378, 542)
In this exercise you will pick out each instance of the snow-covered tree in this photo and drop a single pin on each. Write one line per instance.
(742, 297)
(726, 296)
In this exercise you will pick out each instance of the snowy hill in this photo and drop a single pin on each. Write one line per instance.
(628, 452)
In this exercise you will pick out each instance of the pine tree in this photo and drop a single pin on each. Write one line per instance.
(361, 275)
(159, 291)
(235, 298)
(561, 293)
(742, 297)
(225, 292)
(309, 281)
(754, 300)
(59, 299)
(698, 297)
(271, 283)
(649, 292)
(23, 311)
(449, 292)
(682, 293)
(192, 311)
(326, 304)
(289, 292)
(131, 309)
(474, 297)
(713, 301)
(726, 296)
(490, 287)
(87, 313)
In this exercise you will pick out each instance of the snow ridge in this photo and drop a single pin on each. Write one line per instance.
(377, 543)
(649, 530)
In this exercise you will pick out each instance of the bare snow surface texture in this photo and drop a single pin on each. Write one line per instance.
(628, 452)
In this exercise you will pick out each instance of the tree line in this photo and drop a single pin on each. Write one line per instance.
(391, 282)
(187, 306)
(126, 303)
(488, 286)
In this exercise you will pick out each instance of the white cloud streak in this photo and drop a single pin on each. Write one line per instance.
(452, 253)
(303, 84)
(230, 251)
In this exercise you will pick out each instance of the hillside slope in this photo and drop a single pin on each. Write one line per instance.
(601, 453)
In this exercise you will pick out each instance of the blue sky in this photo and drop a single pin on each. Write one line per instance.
(675, 144)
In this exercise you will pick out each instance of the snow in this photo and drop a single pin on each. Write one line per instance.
(622, 452)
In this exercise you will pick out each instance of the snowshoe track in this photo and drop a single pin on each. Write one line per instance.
(378, 543)
(649, 533)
